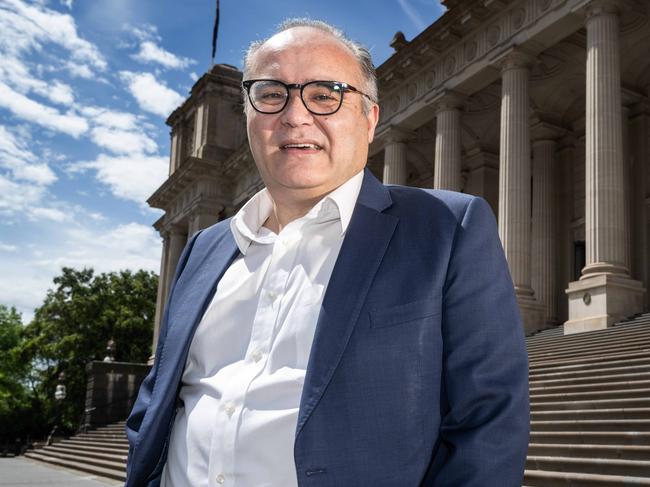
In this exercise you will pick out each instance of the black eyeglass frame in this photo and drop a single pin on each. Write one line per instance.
(344, 87)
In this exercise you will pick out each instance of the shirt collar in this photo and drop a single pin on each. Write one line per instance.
(246, 225)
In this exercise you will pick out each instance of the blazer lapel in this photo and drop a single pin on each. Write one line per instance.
(366, 241)
(192, 295)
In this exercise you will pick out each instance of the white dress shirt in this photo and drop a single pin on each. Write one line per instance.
(245, 370)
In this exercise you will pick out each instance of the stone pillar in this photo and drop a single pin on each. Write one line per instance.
(566, 162)
(483, 176)
(395, 169)
(514, 183)
(640, 159)
(172, 248)
(447, 165)
(160, 298)
(200, 220)
(544, 230)
(605, 292)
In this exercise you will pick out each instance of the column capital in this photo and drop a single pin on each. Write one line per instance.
(541, 131)
(599, 7)
(393, 134)
(448, 100)
(515, 58)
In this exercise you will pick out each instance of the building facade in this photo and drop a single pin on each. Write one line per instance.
(542, 107)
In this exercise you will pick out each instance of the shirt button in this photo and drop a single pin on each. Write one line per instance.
(257, 355)
(230, 409)
(272, 294)
(221, 479)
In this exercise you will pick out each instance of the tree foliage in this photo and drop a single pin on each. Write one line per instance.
(72, 327)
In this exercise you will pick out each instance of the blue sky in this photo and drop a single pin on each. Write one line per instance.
(85, 88)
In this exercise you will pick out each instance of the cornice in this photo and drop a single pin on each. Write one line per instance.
(456, 47)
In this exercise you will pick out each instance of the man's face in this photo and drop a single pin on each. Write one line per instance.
(338, 143)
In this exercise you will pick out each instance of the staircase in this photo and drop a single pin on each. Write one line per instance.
(590, 407)
(101, 452)
(590, 413)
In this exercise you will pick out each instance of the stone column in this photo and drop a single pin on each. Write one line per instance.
(201, 219)
(160, 297)
(514, 183)
(544, 230)
(640, 158)
(447, 165)
(395, 169)
(566, 162)
(174, 241)
(605, 292)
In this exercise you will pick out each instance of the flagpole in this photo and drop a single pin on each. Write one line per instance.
(215, 33)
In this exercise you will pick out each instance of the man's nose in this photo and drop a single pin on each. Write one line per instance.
(296, 113)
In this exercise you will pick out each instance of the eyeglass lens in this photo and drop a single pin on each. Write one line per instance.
(319, 97)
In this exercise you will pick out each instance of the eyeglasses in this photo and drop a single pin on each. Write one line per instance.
(319, 97)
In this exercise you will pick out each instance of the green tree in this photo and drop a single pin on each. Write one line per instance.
(72, 327)
(15, 399)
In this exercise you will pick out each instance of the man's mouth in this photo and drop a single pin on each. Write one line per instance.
(301, 146)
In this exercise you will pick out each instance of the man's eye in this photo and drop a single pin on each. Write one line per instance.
(271, 95)
(323, 97)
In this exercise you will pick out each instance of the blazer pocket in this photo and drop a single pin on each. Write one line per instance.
(404, 313)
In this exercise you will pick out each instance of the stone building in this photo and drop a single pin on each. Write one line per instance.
(540, 106)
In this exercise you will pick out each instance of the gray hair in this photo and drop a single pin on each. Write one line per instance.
(360, 53)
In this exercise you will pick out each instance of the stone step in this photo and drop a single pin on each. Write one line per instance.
(539, 478)
(111, 473)
(639, 393)
(609, 403)
(601, 375)
(101, 435)
(87, 453)
(553, 334)
(620, 413)
(583, 369)
(601, 466)
(104, 463)
(601, 360)
(627, 452)
(588, 349)
(77, 443)
(604, 337)
(642, 381)
(592, 425)
(592, 437)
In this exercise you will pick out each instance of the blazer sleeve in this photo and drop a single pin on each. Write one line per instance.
(134, 421)
(486, 417)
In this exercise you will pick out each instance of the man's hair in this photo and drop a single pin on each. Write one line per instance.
(360, 53)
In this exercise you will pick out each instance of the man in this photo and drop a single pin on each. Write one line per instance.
(335, 332)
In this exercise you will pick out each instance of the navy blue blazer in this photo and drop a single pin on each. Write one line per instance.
(418, 373)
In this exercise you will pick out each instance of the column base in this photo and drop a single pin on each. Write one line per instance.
(532, 313)
(599, 300)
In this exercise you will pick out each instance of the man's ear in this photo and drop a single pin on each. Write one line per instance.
(373, 119)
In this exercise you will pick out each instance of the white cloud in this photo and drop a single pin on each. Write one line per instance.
(37, 173)
(18, 197)
(22, 162)
(150, 52)
(48, 214)
(79, 70)
(105, 117)
(7, 247)
(25, 281)
(134, 177)
(27, 26)
(122, 141)
(35, 112)
(67, 3)
(151, 94)
(194, 76)
(16, 74)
